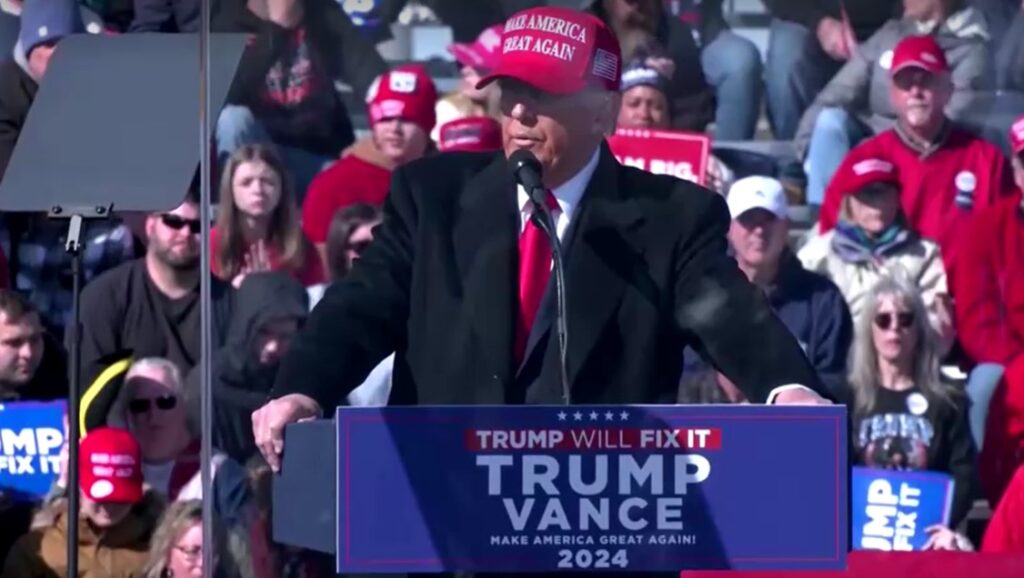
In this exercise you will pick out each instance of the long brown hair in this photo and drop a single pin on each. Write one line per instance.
(283, 232)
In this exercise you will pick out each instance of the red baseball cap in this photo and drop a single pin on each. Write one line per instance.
(861, 170)
(919, 52)
(1017, 136)
(558, 50)
(471, 134)
(406, 92)
(110, 466)
(483, 53)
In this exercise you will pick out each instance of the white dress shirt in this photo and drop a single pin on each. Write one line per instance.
(568, 195)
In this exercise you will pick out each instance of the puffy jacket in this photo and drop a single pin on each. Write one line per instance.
(862, 85)
(919, 258)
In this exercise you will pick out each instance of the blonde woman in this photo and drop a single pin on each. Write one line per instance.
(872, 240)
(176, 549)
(904, 417)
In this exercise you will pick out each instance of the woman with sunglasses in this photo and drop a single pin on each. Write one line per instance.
(258, 221)
(904, 416)
(872, 239)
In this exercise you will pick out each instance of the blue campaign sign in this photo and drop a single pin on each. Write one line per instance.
(558, 488)
(31, 436)
(892, 509)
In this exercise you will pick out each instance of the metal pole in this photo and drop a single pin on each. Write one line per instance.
(74, 250)
(205, 307)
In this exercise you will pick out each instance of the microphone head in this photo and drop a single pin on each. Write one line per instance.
(523, 158)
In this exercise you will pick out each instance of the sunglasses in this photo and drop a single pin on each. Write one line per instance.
(162, 403)
(890, 321)
(177, 223)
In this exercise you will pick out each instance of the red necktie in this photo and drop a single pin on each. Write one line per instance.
(534, 272)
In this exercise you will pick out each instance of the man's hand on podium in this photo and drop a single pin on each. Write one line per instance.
(268, 423)
(798, 396)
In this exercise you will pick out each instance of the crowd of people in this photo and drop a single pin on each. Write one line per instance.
(907, 118)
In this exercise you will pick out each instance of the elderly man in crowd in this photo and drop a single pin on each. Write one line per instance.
(854, 106)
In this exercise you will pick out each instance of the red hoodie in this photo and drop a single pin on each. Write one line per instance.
(989, 306)
(942, 189)
(1005, 531)
(362, 175)
(989, 284)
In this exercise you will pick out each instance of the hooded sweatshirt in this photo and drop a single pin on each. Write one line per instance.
(862, 85)
(240, 384)
(363, 175)
(117, 552)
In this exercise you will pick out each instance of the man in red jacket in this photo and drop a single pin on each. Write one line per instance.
(401, 106)
(947, 174)
(989, 287)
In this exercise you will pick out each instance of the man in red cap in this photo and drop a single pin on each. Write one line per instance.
(989, 288)
(401, 108)
(854, 105)
(116, 520)
(947, 173)
(456, 276)
(470, 134)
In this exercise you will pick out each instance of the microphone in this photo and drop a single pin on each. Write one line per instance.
(528, 172)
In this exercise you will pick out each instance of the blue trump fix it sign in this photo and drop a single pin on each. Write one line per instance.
(627, 488)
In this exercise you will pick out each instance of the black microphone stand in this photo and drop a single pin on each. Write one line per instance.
(542, 218)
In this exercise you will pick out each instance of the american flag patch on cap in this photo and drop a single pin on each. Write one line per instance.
(606, 65)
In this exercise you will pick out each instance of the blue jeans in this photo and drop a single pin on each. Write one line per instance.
(981, 385)
(795, 72)
(238, 126)
(835, 133)
(732, 64)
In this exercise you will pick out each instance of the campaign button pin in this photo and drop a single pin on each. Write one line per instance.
(917, 403)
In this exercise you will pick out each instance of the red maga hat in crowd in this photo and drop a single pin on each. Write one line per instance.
(471, 134)
(558, 50)
(919, 52)
(110, 466)
(483, 53)
(862, 170)
(1017, 136)
(406, 92)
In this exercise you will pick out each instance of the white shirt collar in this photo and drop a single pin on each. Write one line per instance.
(569, 193)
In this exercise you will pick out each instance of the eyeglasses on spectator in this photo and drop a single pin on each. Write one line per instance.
(177, 222)
(163, 403)
(902, 320)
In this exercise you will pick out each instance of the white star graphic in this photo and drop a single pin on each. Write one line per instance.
(593, 416)
(577, 416)
(609, 416)
(561, 416)
(624, 416)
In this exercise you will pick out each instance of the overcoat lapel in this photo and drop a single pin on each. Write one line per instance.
(485, 244)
